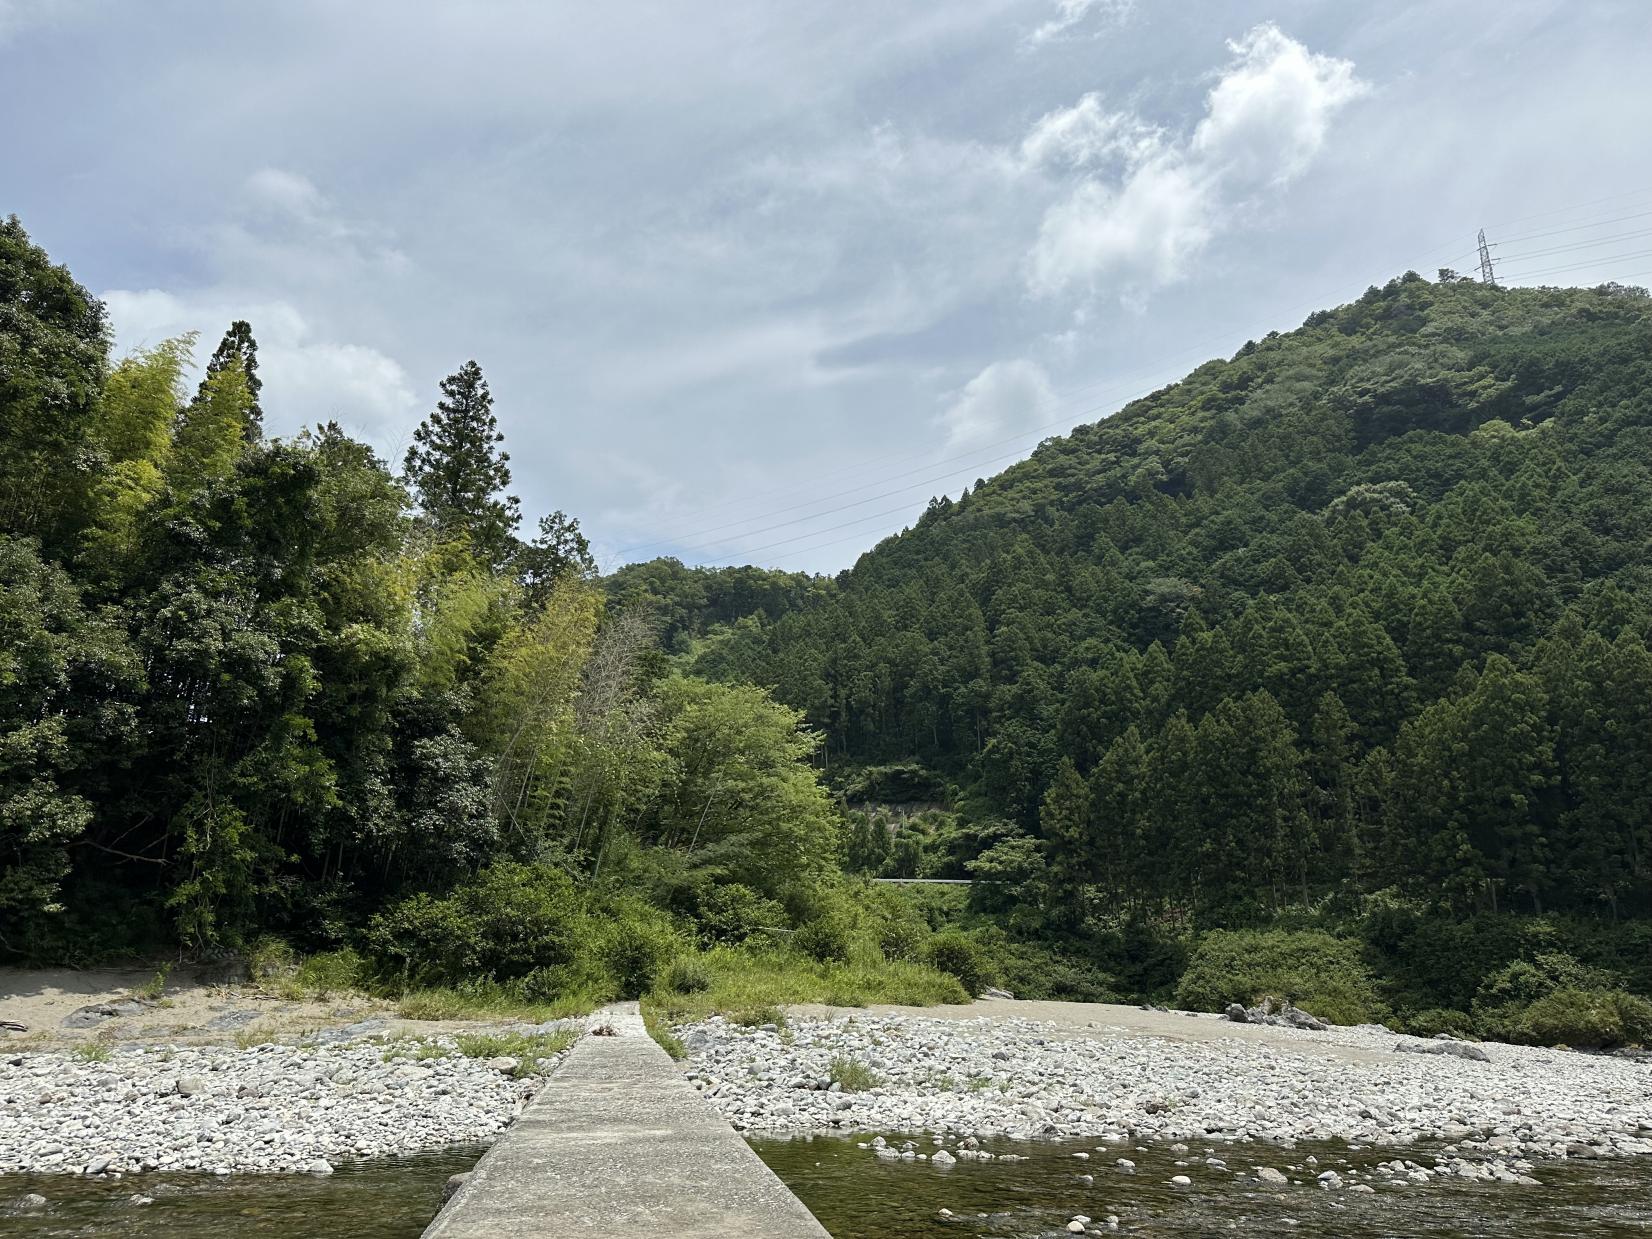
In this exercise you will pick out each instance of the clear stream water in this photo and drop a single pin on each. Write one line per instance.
(857, 1196)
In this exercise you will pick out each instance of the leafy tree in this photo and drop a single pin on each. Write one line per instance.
(53, 363)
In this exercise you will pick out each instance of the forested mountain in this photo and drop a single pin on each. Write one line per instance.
(1342, 642)
(1364, 607)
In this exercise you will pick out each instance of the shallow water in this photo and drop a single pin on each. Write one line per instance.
(394, 1198)
(857, 1196)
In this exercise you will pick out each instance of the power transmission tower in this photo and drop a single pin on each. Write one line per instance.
(1488, 274)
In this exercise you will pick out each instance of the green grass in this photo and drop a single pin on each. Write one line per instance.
(492, 1001)
(854, 1075)
(530, 1049)
(756, 1017)
(92, 1051)
(246, 1038)
(747, 982)
(152, 989)
(418, 1051)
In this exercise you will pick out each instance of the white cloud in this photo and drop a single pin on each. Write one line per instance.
(1071, 13)
(1267, 117)
(1006, 397)
(288, 192)
(1086, 134)
(1142, 220)
(307, 379)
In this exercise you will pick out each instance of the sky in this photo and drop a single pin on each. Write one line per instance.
(752, 281)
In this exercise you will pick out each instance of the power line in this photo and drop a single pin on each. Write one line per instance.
(1555, 232)
(1584, 266)
(1572, 246)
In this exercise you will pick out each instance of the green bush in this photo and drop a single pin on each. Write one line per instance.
(827, 939)
(1319, 973)
(508, 921)
(1438, 1020)
(729, 912)
(331, 972)
(1037, 970)
(270, 957)
(853, 1075)
(1524, 983)
(957, 954)
(687, 974)
(635, 944)
(1505, 996)
(1593, 1018)
(901, 931)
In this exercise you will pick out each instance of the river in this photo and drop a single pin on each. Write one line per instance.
(857, 1196)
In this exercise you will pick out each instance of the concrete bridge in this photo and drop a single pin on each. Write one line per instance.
(617, 1143)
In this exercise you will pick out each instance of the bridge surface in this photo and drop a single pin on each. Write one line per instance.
(616, 1143)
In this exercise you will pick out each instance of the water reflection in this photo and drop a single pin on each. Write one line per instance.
(857, 1196)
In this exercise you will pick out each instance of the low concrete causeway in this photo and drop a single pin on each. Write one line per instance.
(616, 1143)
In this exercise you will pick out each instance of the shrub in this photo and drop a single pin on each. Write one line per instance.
(1505, 996)
(508, 921)
(1438, 1020)
(1319, 973)
(902, 933)
(853, 1075)
(956, 954)
(825, 939)
(268, 958)
(1592, 1018)
(153, 988)
(687, 974)
(1524, 983)
(730, 912)
(329, 973)
(1037, 970)
(636, 942)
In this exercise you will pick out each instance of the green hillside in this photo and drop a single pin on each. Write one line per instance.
(1363, 608)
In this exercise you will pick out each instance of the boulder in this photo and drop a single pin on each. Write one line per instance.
(93, 1014)
(1456, 1049)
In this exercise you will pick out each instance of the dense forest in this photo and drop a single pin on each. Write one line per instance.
(1357, 619)
(253, 686)
(1323, 673)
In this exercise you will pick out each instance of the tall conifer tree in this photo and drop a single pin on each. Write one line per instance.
(456, 470)
(239, 347)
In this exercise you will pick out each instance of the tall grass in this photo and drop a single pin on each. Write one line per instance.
(751, 981)
(494, 1001)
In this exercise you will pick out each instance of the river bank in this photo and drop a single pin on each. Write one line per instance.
(1124, 1077)
(270, 1108)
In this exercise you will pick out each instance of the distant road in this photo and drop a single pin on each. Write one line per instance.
(925, 881)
